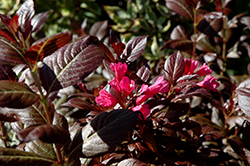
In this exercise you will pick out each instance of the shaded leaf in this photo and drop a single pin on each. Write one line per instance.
(10, 52)
(47, 46)
(79, 103)
(182, 44)
(13, 157)
(174, 67)
(191, 91)
(6, 72)
(16, 95)
(46, 133)
(71, 63)
(204, 44)
(211, 24)
(180, 7)
(104, 133)
(99, 29)
(134, 48)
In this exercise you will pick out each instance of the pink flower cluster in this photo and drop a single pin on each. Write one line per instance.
(123, 86)
(208, 82)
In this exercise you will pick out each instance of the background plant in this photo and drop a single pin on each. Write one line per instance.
(86, 96)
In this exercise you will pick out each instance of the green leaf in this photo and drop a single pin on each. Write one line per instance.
(150, 13)
(16, 95)
(16, 157)
(104, 133)
(71, 63)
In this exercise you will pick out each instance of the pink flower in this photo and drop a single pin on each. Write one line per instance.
(209, 82)
(119, 69)
(127, 85)
(190, 66)
(160, 86)
(105, 99)
(115, 85)
(143, 109)
(204, 70)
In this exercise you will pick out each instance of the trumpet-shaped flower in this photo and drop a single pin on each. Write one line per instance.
(143, 109)
(105, 99)
(160, 86)
(204, 70)
(127, 85)
(209, 82)
(190, 66)
(119, 69)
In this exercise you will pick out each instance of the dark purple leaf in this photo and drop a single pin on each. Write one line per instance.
(134, 48)
(144, 72)
(178, 33)
(113, 38)
(79, 103)
(181, 7)
(191, 91)
(6, 73)
(11, 24)
(25, 13)
(104, 133)
(174, 67)
(211, 24)
(16, 95)
(179, 44)
(47, 46)
(38, 21)
(46, 133)
(32, 115)
(99, 29)
(10, 52)
(18, 157)
(71, 63)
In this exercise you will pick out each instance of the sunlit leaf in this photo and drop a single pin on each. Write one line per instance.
(47, 46)
(243, 98)
(134, 48)
(181, 7)
(178, 33)
(25, 13)
(38, 21)
(16, 95)
(10, 52)
(174, 67)
(99, 29)
(32, 115)
(16, 157)
(104, 133)
(144, 72)
(46, 133)
(132, 162)
(71, 63)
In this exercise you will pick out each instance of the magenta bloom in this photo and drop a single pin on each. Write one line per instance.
(143, 109)
(160, 86)
(204, 70)
(119, 69)
(190, 66)
(105, 99)
(115, 85)
(209, 82)
(127, 85)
